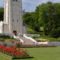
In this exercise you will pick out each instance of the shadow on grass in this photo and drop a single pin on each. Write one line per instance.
(22, 58)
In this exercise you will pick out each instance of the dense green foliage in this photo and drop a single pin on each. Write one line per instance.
(50, 15)
(46, 15)
(1, 14)
(31, 22)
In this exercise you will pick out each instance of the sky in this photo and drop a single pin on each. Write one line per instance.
(30, 5)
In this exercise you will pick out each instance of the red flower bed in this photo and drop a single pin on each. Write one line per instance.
(13, 51)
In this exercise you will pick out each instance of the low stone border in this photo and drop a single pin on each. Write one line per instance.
(49, 43)
(43, 44)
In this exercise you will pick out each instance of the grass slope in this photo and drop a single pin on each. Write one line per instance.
(50, 53)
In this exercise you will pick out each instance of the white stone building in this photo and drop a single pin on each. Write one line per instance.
(12, 17)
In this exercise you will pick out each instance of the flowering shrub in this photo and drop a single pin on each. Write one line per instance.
(13, 51)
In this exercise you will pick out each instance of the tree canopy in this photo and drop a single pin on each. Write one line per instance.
(46, 15)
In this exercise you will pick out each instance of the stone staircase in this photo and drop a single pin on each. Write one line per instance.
(26, 40)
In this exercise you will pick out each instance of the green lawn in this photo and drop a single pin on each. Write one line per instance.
(50, 53)
(5, 57)
(46, 53)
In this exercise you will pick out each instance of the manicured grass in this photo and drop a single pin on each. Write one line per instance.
(47, 53)
(42, 53)
(5, 57)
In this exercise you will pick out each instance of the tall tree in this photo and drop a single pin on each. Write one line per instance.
(49, 17)
(1, 14)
